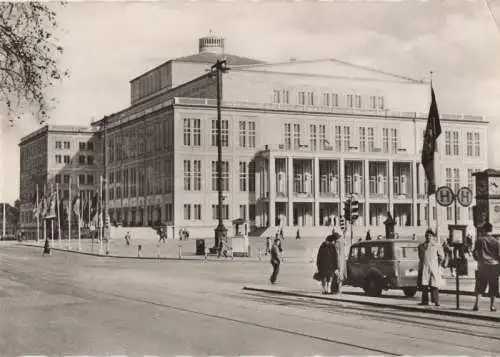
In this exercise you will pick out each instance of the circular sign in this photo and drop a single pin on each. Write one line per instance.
(445, 196)
(465, 196)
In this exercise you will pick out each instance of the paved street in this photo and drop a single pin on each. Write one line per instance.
(78, 304)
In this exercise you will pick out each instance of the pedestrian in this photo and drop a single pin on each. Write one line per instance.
(205, 257)
(46, 247)
(297, 237)
(163, 236)
(368, 236)
(487, 254)
(448, 256)
(268, 245)
(429, 272)
(276, 254)
(327, 263)
(468, 245)
(127, 239)
(281, 234)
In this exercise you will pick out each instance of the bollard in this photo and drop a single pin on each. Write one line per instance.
(139, 249)
(179, 246)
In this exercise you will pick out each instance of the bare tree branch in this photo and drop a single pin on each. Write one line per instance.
(28, 57)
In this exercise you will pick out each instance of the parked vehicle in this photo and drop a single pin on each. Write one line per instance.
(378, 265)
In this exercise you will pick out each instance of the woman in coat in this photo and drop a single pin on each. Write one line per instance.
(327, 263)
(429, 270)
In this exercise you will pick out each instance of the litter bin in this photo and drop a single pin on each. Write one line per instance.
(200, 247)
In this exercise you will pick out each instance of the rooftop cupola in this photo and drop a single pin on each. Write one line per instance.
(211, 44)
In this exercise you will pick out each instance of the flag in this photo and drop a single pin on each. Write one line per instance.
(432, 132)
(76, 204)
(36, 205)
(94, 205)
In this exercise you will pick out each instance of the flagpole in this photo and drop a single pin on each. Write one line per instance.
(70, 213)
(99, 213)
(79, 216)
(37, 217)
(58, 203)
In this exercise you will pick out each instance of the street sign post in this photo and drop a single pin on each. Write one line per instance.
(445, 197)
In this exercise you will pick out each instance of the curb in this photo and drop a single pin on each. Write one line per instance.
(379, 304)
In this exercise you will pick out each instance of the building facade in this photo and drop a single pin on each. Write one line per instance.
(54, 157)
(298, 139)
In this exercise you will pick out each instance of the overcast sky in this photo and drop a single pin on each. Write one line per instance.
(108, 43)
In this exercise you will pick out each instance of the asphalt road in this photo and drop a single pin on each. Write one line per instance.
(70, 304)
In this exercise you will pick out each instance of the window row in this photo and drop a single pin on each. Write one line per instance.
(192, 133)
(59, 144)
(452, 145)
(82, 179)
(326, 99)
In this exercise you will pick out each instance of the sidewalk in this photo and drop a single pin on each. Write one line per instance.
(389, 300)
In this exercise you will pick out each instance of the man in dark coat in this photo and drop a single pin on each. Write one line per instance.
(327, 263)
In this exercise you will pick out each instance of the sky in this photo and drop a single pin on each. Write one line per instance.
(108, 43)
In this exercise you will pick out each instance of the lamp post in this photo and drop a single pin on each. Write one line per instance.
(220, 231)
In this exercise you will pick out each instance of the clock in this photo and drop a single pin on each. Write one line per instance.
(494, 186)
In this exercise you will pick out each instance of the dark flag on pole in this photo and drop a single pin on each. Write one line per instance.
(432, 132)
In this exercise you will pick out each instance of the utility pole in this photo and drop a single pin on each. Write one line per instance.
(219, 68)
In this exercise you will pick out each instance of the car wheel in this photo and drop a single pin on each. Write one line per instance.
(410, 292)
(372, 287)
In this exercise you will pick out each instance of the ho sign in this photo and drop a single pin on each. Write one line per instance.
(444, 196)
(464, 196)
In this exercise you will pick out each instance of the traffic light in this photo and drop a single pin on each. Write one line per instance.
(342, 223)
(347, 210)
(354, 210)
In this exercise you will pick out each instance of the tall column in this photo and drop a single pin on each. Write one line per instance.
(366, 177)
(316, 191)
(272, 191)
(390, 178)
(414, 195)
(289, 166)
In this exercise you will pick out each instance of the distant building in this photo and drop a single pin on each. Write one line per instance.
(298, 138)
(51, 157)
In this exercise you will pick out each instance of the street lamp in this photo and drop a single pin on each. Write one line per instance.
(220, 231)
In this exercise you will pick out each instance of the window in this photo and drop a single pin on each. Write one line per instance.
(66, 159)
(394, 140)
(243, 134)
(371, 139)
(456, 149)
(447, 143)
(224, 133)
(310, 98)
(196, 175)
(90, 179)
(288, 136)
(66, 179)
(196, 132)
(362, 139)
(347, 138)
(251, 176)
(243, 212)
(90, 146)
(276, 96)
(81, 145)
(385, 140)
(285, 97)
(322, 138)
(58, 145)
(225, 175)
(302, 98)
(469, 144)
(477, 144)
(187, 212)
(251, 212)
(373, 102)
(66, 194)
(380, 102)
(187, 132)
(58, 159)
(225, 212)
(58, 178)
(81, 179)
(313, 137)
(243, 176)
(90, 160)
(296, 136)
(338, 138)
(67, 145)
(251, 134)
(187, 175)
(197, 212)
(357, 99)
(350, 101)
(330, 100)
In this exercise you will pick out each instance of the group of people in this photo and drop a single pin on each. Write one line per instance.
(432, 258)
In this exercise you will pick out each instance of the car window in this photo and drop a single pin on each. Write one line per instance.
(354, 253)
(380, 252)
(407, 252)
